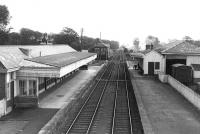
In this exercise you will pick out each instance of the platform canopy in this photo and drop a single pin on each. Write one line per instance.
(56, 65)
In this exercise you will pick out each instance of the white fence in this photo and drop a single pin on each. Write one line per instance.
(2, 107)
(188, 93)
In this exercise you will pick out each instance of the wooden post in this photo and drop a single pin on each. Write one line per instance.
(45, 84)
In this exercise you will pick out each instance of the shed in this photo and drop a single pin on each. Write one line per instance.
(153, 62)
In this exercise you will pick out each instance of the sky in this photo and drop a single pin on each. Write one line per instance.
(120, 20)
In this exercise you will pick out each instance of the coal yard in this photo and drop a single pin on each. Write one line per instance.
(110, 107)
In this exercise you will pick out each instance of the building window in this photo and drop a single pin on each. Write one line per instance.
(8, 92)
(22, 87)
(32, 87)
(157, 65)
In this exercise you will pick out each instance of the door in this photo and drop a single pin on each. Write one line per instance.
(151, 68)
(12, 93)
(32, 88)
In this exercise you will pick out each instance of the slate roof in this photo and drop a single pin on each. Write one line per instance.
(160, 49)
(12, 56)
(177, 47)
(26, 63)
(172, 44)
(61, 60)
(183, 48)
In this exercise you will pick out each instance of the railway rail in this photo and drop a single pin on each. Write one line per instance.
(84, 118)
(111, 106)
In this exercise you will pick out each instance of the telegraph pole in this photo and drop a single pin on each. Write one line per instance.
(100, 35)
(81, 38)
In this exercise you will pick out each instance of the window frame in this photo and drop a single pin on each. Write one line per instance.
(157, 66)
(32, 89)
(24, 88)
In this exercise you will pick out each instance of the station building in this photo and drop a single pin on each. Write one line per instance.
(161, 59)
(27, 71)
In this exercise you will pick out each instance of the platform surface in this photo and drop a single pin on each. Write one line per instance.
(31, 120)
(163, 110)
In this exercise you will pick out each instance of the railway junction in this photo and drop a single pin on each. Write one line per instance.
(119, 100)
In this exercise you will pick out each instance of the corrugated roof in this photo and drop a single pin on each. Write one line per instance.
(11, 56)
(61, 60)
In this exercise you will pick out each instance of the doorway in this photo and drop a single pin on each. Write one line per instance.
(150, 68)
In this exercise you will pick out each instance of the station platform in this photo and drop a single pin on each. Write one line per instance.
(162, 109)
(31, 120)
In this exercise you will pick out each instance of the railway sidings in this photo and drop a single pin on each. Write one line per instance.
(111, 107)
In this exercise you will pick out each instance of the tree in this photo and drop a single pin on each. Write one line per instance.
(136, 43)
(70, 35)
(59, 39)
(3, 37)
(87, 42)
(4, 17)
(113, 44)
(29, 37)
(4, 20)
(45, 38)
(151, 40)
(14, 38)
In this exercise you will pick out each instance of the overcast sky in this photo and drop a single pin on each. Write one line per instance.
(120, 20)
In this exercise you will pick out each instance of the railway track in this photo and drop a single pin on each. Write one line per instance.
(111, 106)
(122, 118)
(84, 119)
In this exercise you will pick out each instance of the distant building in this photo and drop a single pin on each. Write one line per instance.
(102, 50)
